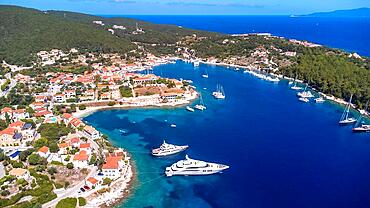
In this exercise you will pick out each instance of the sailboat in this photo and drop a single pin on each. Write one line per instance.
(205, 75)
(219, 94)
(305, 93)
(295, 87)
(360, 126)
(345, 119)
(201, 105)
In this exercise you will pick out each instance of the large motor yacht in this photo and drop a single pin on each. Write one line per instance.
(168, 149)
(194, 167)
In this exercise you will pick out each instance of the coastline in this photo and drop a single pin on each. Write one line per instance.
(330, 98)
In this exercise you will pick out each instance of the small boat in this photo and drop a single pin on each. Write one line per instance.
(360, 126)
(290, 82)
(345, 119)
(219, 94)
(305, 93)
(194, 167)
(319, 100)
(270, 79)
(295, 87)
(188, 108)
(201, 105)
(168, 149)
(303, 99)
(196, 63)
(173, 125)
(205, 75)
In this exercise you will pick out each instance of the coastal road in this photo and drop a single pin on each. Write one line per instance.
(71, 192)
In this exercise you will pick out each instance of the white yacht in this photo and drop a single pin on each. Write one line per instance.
(173, 125)
(360, 126)
(188, 108)
(303, 99)
(196, 63)
(168, 149)
(345, 119)
(305, 93)
(194, 167)
(295, 87)
(319, 100)
(219, 94)
(201, 105)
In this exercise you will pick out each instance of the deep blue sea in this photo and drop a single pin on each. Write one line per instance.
(282, 153)
(350, 34)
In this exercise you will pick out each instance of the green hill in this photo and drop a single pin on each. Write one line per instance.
(24, 31)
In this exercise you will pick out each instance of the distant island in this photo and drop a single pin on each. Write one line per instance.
(360, 12)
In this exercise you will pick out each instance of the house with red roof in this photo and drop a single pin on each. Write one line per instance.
(44, 152)
(86, 147)
(20, 114)
(91, 133)
(93, 182)
(81, 159)
(67, 117)
(6, 112)
(10, 137)
(76, 122)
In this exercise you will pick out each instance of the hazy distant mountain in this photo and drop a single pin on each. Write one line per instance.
(360, 12)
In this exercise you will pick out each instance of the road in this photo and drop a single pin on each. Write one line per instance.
(2, 171)
(11, 85)
(71, 192)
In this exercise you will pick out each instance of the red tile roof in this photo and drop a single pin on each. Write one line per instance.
(81, 156)
(43, 149)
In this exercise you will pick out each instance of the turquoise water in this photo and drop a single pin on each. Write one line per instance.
(281, 152)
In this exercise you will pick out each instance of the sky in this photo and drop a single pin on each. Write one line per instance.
(192, 7)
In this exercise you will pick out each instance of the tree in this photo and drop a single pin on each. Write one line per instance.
(24, 154)
(53, 146)
(34, 159)
(82, 107)
(3, 125)
(107, 181)
(70, 165)
(52, 170)
(40, 143)
(93, 159)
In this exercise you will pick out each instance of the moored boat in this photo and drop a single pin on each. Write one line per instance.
(219, 94)
(168, 149)
(194, 167)
(345, 119)
(319, 100)
(360, 126)
(188, 108)
(303, 99)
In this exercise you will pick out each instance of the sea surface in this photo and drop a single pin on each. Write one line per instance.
(350, 34)
(281, 152)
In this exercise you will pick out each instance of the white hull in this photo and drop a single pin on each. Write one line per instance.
(189, 167)
(347, 121)
(200, 107)
(190, 109)
(363, 128)
(193, 173)
(205, 76)
(319, 100)
(170, 152)
(296, 88)
(304, 100)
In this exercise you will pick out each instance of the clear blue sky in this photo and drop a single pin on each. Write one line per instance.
(247, 7)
